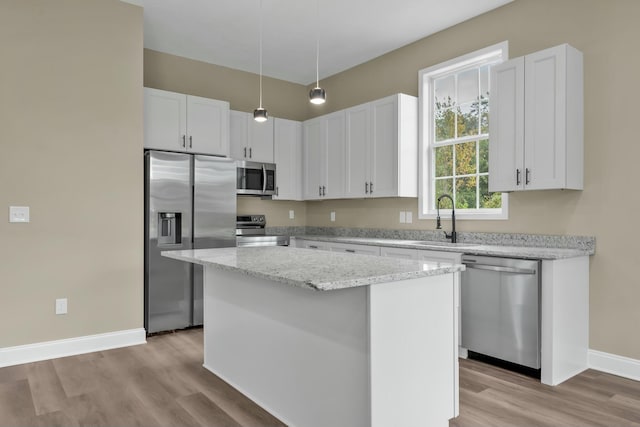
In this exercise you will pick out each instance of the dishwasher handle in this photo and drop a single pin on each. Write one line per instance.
(501, 269)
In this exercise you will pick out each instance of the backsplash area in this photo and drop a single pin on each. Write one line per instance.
(586, 243)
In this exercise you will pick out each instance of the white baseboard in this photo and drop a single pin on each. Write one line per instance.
(70, 347)
(614, 364)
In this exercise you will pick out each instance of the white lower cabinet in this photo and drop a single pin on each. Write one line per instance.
(355, 249)
(402, 253)
(312, 244)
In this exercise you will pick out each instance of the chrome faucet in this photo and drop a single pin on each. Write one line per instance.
(453, 235)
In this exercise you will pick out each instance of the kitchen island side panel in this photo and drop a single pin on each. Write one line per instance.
(300, 354)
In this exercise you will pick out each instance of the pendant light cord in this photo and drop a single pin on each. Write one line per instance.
(260, 59)
(317, 45)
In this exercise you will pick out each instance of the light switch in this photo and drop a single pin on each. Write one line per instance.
(409, 217)
(18, 213)
(61, 306)
(292, 214)
(333, 216)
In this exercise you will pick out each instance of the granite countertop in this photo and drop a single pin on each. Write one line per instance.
(312, 269)
(464, 248)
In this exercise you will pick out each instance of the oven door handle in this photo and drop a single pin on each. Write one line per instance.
(500, 269)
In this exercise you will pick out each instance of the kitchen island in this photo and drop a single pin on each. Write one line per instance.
(331, 339)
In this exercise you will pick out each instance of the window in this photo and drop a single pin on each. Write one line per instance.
(454, 136)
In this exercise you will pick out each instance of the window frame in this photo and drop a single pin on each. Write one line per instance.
(426, 182)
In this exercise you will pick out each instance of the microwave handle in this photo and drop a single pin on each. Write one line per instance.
(264, 179)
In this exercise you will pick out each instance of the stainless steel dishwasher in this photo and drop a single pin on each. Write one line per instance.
(500, 306)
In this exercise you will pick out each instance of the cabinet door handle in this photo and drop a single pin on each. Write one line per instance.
(249, 152)
(313, 247)
(527, 176)
(190, 141)
(324, 193)
(276, 190)
(517, 176)
(353, 251)
(245, 152)
(370, 187)
(184, 141)
(366, 188)
(319, 190)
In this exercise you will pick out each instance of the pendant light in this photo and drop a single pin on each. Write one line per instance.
(317, 95)
(260, 114)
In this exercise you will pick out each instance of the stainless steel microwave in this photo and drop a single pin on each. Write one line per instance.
(257, 179)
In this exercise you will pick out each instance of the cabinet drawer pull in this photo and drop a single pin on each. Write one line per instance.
(313, 247)
(353, 251)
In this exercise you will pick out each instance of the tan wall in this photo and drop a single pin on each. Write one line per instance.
(71, 138)
(607, 33)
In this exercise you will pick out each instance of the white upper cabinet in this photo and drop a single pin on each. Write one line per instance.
(324, 156)
(536, 126)
(178, 122)
(250, 140)
(287, 152)
(382, 148)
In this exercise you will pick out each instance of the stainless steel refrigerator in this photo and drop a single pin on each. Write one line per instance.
(190, 203)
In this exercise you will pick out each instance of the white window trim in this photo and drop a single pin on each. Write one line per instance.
(424, 158)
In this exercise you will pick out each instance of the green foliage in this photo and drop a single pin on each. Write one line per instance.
(471, 159)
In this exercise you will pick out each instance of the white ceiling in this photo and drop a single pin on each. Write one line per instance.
(226, 32)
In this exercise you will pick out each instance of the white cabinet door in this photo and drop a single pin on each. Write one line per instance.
(239, 134)
(402, 253)
(288, 159)
(208, 126)
(261, 141)
(506, 127)
(355, 249)
(553, 120)
(314, 158)
(165, 120)
(334, 142)
(250, 140)
(537, 122)
(358, 124)
(383, 148)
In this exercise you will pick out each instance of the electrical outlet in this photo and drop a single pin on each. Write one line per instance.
(61, 306)
(333, 216)
(409, 217)
(403, 217)
(292, 214)
(18, 213)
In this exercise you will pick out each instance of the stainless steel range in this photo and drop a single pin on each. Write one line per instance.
(250, 231)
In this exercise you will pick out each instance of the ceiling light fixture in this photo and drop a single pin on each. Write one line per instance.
(317, 95)
(260, 114)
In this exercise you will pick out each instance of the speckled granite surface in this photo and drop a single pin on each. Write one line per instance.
(528, 245)
(463, 248)
(307, 268)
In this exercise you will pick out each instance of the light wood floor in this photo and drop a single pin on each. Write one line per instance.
(163, 383)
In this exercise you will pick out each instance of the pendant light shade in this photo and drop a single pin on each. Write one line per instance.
(260, 114)
(317, 95)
